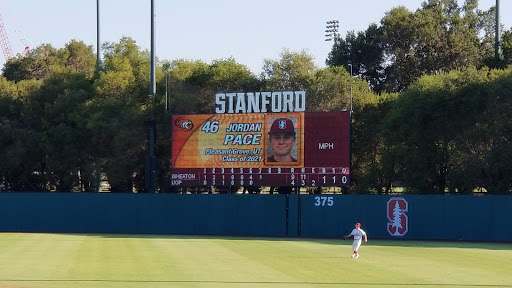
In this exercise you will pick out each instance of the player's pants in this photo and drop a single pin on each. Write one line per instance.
(356, 244)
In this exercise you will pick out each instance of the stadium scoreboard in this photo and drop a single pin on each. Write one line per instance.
(234, 149)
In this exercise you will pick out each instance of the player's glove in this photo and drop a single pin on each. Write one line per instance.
(344, 238)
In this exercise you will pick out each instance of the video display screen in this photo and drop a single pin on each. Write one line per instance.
(261, 149)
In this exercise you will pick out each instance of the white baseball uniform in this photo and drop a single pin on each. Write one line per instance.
(358, 234)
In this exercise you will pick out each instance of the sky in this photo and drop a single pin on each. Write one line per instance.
(247, 30)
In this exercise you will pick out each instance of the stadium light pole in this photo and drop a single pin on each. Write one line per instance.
(345, 189)
(331, 30)
(166, 91)
(149, 177)
(497, 33)
(350, 65)
(331, 35)
(98, 44)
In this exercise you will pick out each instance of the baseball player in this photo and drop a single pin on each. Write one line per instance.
(358, 234)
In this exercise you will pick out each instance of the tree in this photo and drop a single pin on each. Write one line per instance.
(117, 115)
(294, 71)
(438, 37)
(420, 130)
(76, 57)
(19, 146)
(446, 132)
(38, 64)
(506, 46)
(441, 36)
(64, 135)
(364, 52)
(194, 84)
(41, 62)
(484, 147)
(372, 167)
(329, 90)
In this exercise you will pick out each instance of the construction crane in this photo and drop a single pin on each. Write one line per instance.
(4, 41)
(6, 46)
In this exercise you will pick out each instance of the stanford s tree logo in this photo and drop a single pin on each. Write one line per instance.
(398, 222)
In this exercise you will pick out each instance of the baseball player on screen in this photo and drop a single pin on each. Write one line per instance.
(358, 234)
(282, 138)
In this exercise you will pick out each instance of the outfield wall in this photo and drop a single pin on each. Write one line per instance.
(469, 218)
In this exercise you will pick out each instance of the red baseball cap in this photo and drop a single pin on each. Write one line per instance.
(358, 224)
(282, 125)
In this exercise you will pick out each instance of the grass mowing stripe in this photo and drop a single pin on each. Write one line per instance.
(464, 265)
(65, 260)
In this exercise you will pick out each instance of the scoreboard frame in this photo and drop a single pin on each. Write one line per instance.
(323, 151)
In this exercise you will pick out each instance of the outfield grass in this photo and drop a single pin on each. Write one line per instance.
(66, 260)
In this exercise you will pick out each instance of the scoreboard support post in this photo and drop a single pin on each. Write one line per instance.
(297, 192)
